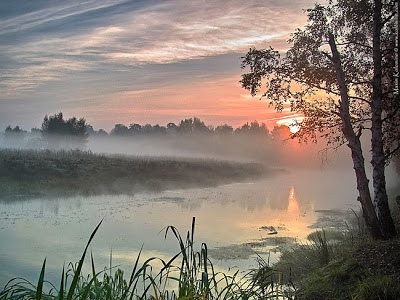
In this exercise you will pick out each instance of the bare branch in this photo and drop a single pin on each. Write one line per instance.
(384, 21)
(390, 153)
(359, 98)
(390, 115)
(360, 129)
(336, 113)
(327, 55)
(354, 43)
(360, 82)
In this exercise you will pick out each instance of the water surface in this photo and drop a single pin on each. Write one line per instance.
(227, 217)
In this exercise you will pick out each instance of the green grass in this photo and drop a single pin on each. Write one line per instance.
(345, 279)
(326, 267)
(25, 173)
(189, 274)
(343, 264)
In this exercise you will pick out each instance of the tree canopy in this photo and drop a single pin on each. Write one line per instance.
(190, 127)
(71, 132)
(305, 77)
(338, 73)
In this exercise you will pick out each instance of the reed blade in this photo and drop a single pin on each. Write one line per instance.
(39, 290)
(79, 268)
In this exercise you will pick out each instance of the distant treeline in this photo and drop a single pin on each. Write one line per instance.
(77, 130)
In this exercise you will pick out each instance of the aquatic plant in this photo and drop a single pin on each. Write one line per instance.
(189, 274)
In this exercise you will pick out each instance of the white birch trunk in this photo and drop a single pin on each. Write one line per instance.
(378, 156)
(355, 146)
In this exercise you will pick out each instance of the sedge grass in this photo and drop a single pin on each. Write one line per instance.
(25, 173)
(189, 274)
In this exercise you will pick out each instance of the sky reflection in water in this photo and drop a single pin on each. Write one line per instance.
(227, 215)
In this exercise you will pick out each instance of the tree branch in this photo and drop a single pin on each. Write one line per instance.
(359, 98)
(298, 80)
(335, 113)
(360, 82)
(391, 114)
(327, 55)
(384, 21)
(388, 155)
(360, 129)
(387, 93)
(354, 43)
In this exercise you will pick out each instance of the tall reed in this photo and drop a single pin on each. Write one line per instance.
(189, 274)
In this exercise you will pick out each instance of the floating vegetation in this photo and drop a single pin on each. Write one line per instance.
(232, 252)
(246, 250)
(272, 229)
(189, 274)
(334, 219)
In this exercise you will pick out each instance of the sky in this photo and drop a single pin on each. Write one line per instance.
(137, 61)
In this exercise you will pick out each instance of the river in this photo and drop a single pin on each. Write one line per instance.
(228, 217)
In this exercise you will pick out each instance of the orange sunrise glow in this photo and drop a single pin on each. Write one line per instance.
(154, 63)
(214, 149)
(293, 123)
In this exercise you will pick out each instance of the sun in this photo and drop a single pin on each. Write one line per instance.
(294, 128)
(294, 124)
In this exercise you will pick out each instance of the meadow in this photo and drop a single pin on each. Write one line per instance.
(27, 173)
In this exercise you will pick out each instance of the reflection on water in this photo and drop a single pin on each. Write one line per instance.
(228, 215)
(290, 216)
(298, 215)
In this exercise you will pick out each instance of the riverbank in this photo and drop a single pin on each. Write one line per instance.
(370, 270)
(352, 267)
(28, 173)
(343, 264)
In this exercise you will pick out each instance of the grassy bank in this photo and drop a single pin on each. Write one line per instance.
(189, 274)
(25, 173)
(331, 265)
(343, 264)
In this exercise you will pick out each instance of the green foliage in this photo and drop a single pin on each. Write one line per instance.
(305, 76)
(320, 245)
(16, 129)
(190, 274)
(187, 275)
(347, 279)
(334, 281)
(378, 287)
(342, 265)
(191, 127)
(335, 75)
(269, 283)
(196, 277)
(305, 258)
(44, 172)
(64, 133)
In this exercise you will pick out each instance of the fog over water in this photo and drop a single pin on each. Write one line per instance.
(235, 220)
(280, 154)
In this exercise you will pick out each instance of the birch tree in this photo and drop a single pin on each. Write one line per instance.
(338, 73)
